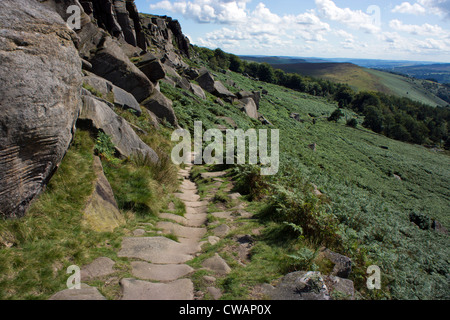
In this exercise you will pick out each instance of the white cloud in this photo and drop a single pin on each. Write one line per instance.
(352, 18)
(409, 8)
(207, 11)
(419, 30)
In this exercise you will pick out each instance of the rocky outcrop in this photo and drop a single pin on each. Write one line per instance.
(163, 32)
(111, 63)
(152, 67)
(119, 17)
(207, 82)
(96, 116)
(102, 213)
(40, 82)
(113, 94)
(161, 106)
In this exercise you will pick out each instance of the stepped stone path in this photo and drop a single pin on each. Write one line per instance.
(158, 263)
(162, 271)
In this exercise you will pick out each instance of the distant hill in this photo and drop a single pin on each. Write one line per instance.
(437, 72)
(363, 79)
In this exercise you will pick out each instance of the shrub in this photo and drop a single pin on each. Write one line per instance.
(336, 115)
(353, 123)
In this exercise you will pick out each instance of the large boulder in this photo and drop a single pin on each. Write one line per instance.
(111, 63)
(102, 213)
(255, 95)
(113, 94)
(96, 115)
(198, 91)
(207, 82)
(161, 106)
(40, 82)
(153, 69)
(249, 107)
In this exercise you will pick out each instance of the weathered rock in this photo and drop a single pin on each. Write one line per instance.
(85, 293)
(133, 289)
(255, 95)
(111, 93)
(191, 73)
(139, 232)
(181, 231)
(342, 264)
(153, 69)
(161, 107)
(125, 100)
(111, 63)
(221, 231)
(184, 84)
(215, 293)
(438, 227)
(40, 81)
(102, 213)
(217, 264)
(296, 116)
(98, 116)
(299, 286)
(98, 268)
(207, 82)
(250, 108)
(159, 272)
(198, 91)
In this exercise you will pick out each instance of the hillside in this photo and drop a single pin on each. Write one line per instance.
(362, 79)
(438, 72)
(88, 179)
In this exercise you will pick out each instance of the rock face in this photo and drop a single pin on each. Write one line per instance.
(120, 18)
(102, 213)
(40, 81)
(111, 63)
(112, 93)
(161, 106)
(97, 115)
(163, 32)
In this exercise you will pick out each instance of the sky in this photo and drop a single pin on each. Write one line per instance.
(416, 30)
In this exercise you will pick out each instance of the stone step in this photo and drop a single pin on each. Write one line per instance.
(159, 272)
(133, 289)
(182, 231)
(159, 250)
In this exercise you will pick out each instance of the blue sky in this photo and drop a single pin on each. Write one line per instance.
(395, 30)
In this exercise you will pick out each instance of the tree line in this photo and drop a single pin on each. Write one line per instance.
(398, 118)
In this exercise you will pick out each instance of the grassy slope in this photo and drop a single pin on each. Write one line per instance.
(357, 175)
(362, 79)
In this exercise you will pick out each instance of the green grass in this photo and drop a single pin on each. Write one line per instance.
(355, 170)
(51, 237)
(364, 79)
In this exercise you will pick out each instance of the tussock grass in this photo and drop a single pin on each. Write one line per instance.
(40, 246)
